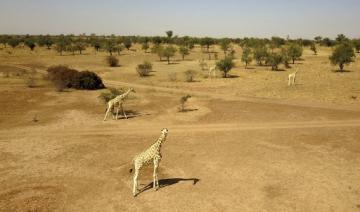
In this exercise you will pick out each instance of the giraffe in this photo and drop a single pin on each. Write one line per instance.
(212, 70)
(152, 154)
(119, 100)
(292, 78)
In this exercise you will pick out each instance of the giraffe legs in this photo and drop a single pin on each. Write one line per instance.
(123, 111)
(135, 183)
(155, 175)
(117, 112)
(107, 112)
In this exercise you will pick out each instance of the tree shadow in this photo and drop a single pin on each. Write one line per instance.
(249, 68)
(168, 182)
(341, 71)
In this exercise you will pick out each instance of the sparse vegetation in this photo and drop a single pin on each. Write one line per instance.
(144, 69)
(313, 48)
(190, 75)
(112, 61)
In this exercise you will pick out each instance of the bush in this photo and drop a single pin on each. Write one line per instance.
(30, 82)
(225, 65)
(189, 75)
(274, 60)
(144, 69)
(112, 61)
(183, 101)
(87, 80)
(110, 94)
(172, 76)
(65, 77)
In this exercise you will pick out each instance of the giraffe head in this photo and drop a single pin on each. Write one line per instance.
(164, 131)
(132, 90)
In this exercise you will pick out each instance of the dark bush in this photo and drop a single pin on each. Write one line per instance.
(65, 77)
(87, 80)
(144, 69)
(112, 61)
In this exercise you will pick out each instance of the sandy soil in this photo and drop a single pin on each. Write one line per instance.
(238, 148)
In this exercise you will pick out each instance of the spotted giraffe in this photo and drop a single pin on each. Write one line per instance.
(152, 154)
(119, 100)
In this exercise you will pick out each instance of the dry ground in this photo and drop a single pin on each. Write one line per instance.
(248, 143)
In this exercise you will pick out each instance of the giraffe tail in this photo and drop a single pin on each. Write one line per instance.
(130, 170)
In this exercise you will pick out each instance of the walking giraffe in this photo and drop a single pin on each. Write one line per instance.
(152, 154)
(119, 100)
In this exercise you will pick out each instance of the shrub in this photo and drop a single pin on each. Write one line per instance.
(30, 82)
(183, 101)
(246, 56)
(189, 75)
(65, 77)
(144, 69)
(172, 76)
(225, 65)
(260, 54)
(110, 93)
(87, 80)
(184, 51)
(169, 52)
(112, 61)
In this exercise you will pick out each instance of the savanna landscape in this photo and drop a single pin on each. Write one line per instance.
(243, 134)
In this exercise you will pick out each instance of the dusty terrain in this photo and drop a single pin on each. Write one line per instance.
(248, 143)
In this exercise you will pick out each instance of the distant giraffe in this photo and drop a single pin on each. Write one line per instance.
(212, 70)
(292, 78)
(119, 100)
(152, 154)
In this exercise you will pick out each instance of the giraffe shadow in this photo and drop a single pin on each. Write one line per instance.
(168, 182)
(131, 114)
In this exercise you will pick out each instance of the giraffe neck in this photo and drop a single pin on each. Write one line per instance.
(160, 140)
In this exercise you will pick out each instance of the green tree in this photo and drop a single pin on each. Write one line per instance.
(274, 60)
(127, 43)
(207, 42)
(295, 52)
(225, 65)
(159, 50)
(169, 52)
(318, 39)
(341, 38)
(356, 44)
(110, 45)
(260, 54)
(80, 46)
(225, 45)
(14, 42)
(342, 55)
(30, 43)
(45, 41)
(119, 48)
(285, 57)
(313, 48)
(246, 56)
(169, 35)
(145, 46)
(184, 51)
(61, 43)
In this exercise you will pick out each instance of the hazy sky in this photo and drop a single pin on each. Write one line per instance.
(217, 18)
